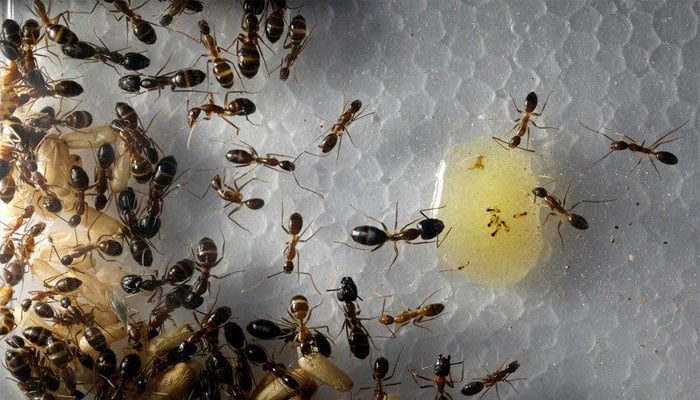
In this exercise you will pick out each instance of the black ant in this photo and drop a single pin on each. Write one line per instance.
(442, 378)
(664, 157)
(491, 380)
(380, 368)
(428, 228)
(523, 122)
(559, 208)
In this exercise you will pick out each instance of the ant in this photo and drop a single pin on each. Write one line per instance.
(353, 113)
(58, 33)
(75, 120)
(295, 230)
(248, 47)
(368, 235)
(274, 23)
(235, 195)
(237, 107)
(296, 41)
(106, 156)
(178, 7)
(442, 378)
(380, 368)
(559, 208)
(223, 71)
(245, 158)
(245, 352)
(358, 337)
(664, 157)
(423, 313)
(523, 122)
(142, 29)
(491, 380)
(300, 312)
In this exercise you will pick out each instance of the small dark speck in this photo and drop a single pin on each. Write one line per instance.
(629, 299)
(617, 227)
(665, 242)
(630, 224)
(637, 203)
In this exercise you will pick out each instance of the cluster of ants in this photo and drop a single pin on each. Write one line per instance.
(64, 340)
(66, 351)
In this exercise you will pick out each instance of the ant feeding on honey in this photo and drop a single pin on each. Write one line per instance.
(559, 208)
(628, 143)
(423, 313)
(442, 377)
(368, 235)
(497, 222)
(523, 123)
(492, 379)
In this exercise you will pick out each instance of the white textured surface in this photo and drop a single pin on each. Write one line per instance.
(589, 323)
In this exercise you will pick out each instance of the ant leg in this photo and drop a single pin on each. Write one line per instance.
(542, 127)
(236, 222)
(396, 256)
(561, 238)
(545, 104)
(661, 141)
(515, 105)
(500, 142)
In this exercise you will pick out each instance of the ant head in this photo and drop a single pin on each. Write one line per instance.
(512, 367)
(284, 73)
(530, 102)
(540, 192)
(216, 182)
(355, 106)
(442, 365)
(514, 142)
(166, 19)
(619, 145)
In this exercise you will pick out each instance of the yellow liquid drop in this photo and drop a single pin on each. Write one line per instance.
(487, 190)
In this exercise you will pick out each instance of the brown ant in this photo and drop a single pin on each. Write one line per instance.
(368, 235)
(559, 208)
(237, 107)
(423, 313)
(491, 380)
(248, 47)
(353, 113)
(628, 143)
(295, 41)
(58, 33)
(523, 122)
(295, 230)
(142, 29)
(223, 71)
(245, 158)
(178, 7)
(442, 378)
(235, 195)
